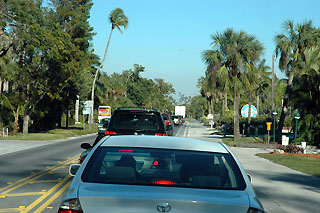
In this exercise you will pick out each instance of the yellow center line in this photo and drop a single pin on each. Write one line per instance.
(15, 186)
(36, 175)
(43, 181)
(45, 195)
(24, 194)
(55, 196)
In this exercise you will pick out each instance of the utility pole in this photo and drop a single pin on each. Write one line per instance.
(273, 59)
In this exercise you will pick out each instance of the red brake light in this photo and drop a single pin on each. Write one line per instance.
(82, 159)
(160, 134)
(164, 182)
(125, 150)
(156, 163)
(69, 211)
(110, 133)
(70, 206)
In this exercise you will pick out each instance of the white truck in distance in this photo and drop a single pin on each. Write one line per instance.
(180, 110)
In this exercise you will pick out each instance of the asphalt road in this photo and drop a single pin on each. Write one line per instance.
(32, 180)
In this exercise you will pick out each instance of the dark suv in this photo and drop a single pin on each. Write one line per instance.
(126, 121)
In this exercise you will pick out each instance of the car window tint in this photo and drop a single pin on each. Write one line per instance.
(156, 167)
(165, 117)
(136, 121)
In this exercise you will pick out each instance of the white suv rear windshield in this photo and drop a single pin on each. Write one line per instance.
(159, 167)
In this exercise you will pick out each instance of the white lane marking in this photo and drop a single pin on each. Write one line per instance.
(186, 132)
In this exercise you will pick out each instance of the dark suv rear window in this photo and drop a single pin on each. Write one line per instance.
(163, 167)
(138, 121)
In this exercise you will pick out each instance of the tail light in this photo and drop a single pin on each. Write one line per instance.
(70, 206)
(164, 182)
(160, 134)
(110, 133)
(82, 159)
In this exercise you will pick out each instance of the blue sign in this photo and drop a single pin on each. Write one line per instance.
(245, 111)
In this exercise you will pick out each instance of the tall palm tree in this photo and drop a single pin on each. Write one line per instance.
(117, 20)
(290, 47)
(238, 49)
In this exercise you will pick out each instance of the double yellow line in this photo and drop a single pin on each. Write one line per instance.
(31, 179)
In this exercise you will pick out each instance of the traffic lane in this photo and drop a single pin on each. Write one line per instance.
(33, 177)
(279, 188)
(178, 130)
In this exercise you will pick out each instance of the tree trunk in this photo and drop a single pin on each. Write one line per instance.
(249, 119)
(236, 129)
(16, 123)
(26, 123)
(211, 106)
(258, 104)
(97, 71)
(67, 118)
(284, 108)
(0, 85)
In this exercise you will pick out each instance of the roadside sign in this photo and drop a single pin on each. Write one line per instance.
(210, 116)
(269, 125)
(104, 112)
(245, 111)
(86, 107)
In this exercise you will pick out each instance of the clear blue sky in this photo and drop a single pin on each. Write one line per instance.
(167, 37)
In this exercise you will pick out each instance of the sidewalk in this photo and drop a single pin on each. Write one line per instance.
(10, 146)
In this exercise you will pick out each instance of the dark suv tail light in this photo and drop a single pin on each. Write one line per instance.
(160, 134)
(110, 133)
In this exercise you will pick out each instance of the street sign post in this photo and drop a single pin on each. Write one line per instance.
(269, 128)
(86, 110)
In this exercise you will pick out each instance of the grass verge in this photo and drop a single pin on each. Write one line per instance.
(54, 134)
(243, 140)
(306, 165)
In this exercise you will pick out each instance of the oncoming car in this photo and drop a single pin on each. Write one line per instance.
(159, 174)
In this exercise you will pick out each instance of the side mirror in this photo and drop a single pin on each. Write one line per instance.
(85, 146)
(250, 178)
(73, 169)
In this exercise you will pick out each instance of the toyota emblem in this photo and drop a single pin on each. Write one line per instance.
(163, 207)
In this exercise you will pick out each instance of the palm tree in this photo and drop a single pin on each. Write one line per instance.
(117, 20)
(237, 49)
(290, 46)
